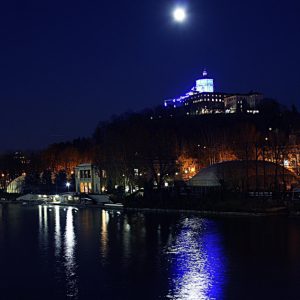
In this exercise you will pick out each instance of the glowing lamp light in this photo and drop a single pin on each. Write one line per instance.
(68, 184)
(179, 14)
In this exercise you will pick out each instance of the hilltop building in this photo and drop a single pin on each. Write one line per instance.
(205, 84)
(203, 99)
(243, 103)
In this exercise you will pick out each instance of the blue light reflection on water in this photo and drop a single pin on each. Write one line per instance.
(58, 253)
(197, 262)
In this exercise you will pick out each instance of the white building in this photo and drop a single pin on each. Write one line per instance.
(203, 99)
(205, 84)
(246, 103)
(87, 179)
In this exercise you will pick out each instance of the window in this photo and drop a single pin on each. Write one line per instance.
(85, 187)
(85, 174)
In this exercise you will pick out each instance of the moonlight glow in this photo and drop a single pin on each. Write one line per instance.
(179, 14)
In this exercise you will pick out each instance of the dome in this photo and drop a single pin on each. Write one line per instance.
(252, 174)
(16, 186)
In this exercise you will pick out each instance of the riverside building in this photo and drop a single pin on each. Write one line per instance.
(87, 179)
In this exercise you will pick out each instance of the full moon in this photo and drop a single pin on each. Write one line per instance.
(179, 14)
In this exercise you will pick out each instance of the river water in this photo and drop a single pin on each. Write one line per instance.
(67, 253)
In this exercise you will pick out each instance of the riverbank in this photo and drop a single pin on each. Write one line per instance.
(278, 211)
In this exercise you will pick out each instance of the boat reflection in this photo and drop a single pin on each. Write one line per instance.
(57, 232)
(69, 255)
(197, 262)
(104, 237)
(64, 244)
(1, 222)
(43, 227)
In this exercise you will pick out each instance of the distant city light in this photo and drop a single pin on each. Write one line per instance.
(179, 14)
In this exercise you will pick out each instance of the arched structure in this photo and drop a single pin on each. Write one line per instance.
(245, 175)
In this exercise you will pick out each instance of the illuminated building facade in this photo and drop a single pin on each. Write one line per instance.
(205, 103)
(238, 103)
(203, 99)
(202, 95)
(87, 179)
(205, 84)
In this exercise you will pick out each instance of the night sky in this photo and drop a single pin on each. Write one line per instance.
(66, 65)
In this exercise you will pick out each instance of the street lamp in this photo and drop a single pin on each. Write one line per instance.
(68, 185)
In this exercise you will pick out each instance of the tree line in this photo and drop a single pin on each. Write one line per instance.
(154, 147)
